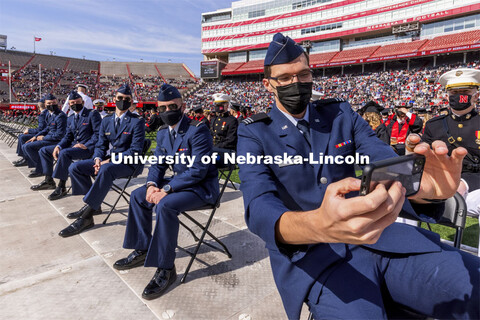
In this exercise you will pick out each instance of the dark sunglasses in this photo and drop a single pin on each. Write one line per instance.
(173, 106)
(123, 98)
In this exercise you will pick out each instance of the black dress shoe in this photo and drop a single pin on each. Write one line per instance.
(160, 282)
(20, 163)
(58, 193)
(44, 185)
(34, 174)
(134, 259)
(78, 214)
(76, 227)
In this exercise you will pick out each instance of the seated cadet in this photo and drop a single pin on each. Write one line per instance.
(50, 135)
(125, 132)
(30, 133)
(224, 127)
(78, 143)
(154, 122)
(190, 188)
(339, 252)
(461, 128)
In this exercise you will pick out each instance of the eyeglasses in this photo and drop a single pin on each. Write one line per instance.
(124, 98)
(304, 76)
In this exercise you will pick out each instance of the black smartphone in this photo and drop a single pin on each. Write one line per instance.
(406, 169)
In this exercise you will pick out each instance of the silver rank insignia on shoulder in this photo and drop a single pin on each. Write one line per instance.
(284, 127)
(107, 133)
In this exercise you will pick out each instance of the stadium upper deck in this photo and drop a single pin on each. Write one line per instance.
(340, 32)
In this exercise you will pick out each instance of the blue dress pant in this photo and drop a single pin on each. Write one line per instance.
(31, 151)
(65, 159)
(162, 244)
(81, 173)
(376, 285)
(21, 141)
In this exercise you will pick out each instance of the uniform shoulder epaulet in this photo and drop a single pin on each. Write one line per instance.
(323, 102)
(165, 126)
(134, 115)
(195, 123)
(109, 115)
(262, 116)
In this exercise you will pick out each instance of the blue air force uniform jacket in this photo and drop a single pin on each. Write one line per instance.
(42, 123)
(55, 128)
(269, 190)
(127, 140)
(193, 139)
(84, 130)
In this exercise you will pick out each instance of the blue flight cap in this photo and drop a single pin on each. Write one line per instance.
(49, 96)
(282, 50)
(125, 89)
(73, 95)
(168, 93)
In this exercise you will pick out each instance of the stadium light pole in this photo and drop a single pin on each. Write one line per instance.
(9, 82)
(40, 79)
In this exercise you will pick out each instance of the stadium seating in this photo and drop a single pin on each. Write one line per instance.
(111, 68)
(254, 66)
(230, 67)
(398, 48)
(324, 57)
(354, 54)
(173, 70)
(17, 58)
(452, 40)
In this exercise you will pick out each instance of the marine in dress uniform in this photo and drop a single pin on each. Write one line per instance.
(125, 132)
(303, 211)
(77, 144)
(30, 133)
(224, 127)
(461, 128)
(50, 135)
(190, 188)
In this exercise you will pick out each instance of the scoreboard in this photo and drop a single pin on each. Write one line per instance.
(209, 69)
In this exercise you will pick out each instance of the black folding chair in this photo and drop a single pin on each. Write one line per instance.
(454, 216)
(121, 190)
(228, 169)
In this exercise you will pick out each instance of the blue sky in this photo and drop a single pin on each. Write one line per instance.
(152, 30)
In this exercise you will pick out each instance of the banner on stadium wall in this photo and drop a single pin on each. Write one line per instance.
(25, 106)
(400, 56)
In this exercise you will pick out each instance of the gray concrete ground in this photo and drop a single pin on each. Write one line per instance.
(44, 276)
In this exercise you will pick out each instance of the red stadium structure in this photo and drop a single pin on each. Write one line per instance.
(349, 36)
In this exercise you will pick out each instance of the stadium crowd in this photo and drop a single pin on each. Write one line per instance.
(229, 116)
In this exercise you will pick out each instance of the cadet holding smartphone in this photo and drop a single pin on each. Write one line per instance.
(340, 253)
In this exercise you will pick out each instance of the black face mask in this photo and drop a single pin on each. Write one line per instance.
(123, 105)
(295, 96)
(171, 117)
(52, 107)
(460, 101)
(219, 108)
(76, 107)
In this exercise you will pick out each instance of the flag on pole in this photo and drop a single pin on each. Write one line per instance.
(38, 39)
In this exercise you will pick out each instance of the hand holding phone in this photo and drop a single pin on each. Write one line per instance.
(408, 170)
